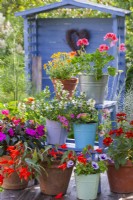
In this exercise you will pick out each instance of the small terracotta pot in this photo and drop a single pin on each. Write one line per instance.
(13, 182)
(54, 180)
(69, 85)
(121, 180)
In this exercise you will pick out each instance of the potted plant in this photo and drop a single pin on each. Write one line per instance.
(83, 117)
(57, 164)
(14, 130)
(119, 143)
(60, 68)
(87, 172)
(50, 111)
(92, 66)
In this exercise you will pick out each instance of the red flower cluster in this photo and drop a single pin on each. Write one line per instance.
(121, 116)
(107, 141)
(82, 42)
(9, 164)
(129, 134)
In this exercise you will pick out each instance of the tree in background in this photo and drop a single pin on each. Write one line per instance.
(12, 77)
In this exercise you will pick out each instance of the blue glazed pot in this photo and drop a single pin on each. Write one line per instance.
(84, 134)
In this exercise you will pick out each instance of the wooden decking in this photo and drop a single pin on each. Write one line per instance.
(33, 193)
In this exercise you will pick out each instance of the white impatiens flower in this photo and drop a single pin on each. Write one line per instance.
(2, 44)
(2, 19)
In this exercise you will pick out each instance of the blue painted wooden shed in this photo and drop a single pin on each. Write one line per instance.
(45, 36)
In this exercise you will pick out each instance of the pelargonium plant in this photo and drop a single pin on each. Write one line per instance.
(119, 140)
(94, 63)
(14, 129)
(87, 163)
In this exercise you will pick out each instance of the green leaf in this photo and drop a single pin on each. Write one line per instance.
(112, 71)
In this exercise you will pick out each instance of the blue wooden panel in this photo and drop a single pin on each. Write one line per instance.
(75, 4)
(52, 35)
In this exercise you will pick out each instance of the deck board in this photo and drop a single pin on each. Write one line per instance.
(33, 193)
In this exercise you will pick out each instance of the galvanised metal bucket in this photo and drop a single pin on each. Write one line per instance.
(56, 134)
(94, 89)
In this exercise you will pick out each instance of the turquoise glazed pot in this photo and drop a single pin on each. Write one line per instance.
(84, 134)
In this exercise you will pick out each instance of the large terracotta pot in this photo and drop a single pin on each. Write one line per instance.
(121, 180)
(13, 182)
(54, 180)
(69, 85)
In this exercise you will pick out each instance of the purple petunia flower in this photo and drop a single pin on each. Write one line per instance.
(40, 130)
(11, 132)
(103, 156)
(70, 163)
(2, 136)
(95, 165)
(30, 132)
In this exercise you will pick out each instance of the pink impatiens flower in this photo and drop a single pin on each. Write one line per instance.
(82, 42)
(103, 47)
(5, 112)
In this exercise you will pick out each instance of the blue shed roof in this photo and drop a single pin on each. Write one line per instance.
(74, 4)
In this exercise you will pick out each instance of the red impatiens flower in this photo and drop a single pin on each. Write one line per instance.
(24, 173)
(8, 170)
(1, 179)
(107, 141)
(129, 134)
(82, 42)
(62, 166)
(14, 153)
(103, 47)
(63, 146)
(82, 159)
(3, 162)
(10, 148)
(53, 153)
(99, 150)
(59, 196)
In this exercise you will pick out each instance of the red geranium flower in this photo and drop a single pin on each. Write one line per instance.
(119, 131)
(107, 141)
(129, 134)
(8, 170)
(103, 47)
(131, 123)
(121, 116)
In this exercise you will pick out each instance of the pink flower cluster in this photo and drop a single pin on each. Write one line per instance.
(64, 121)
(112, 39)
(5, 112)
(82, 42)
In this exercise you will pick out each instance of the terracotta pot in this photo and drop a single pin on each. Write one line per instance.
(56, 180)
(121, 180)
(69, 85)
(13, 182)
